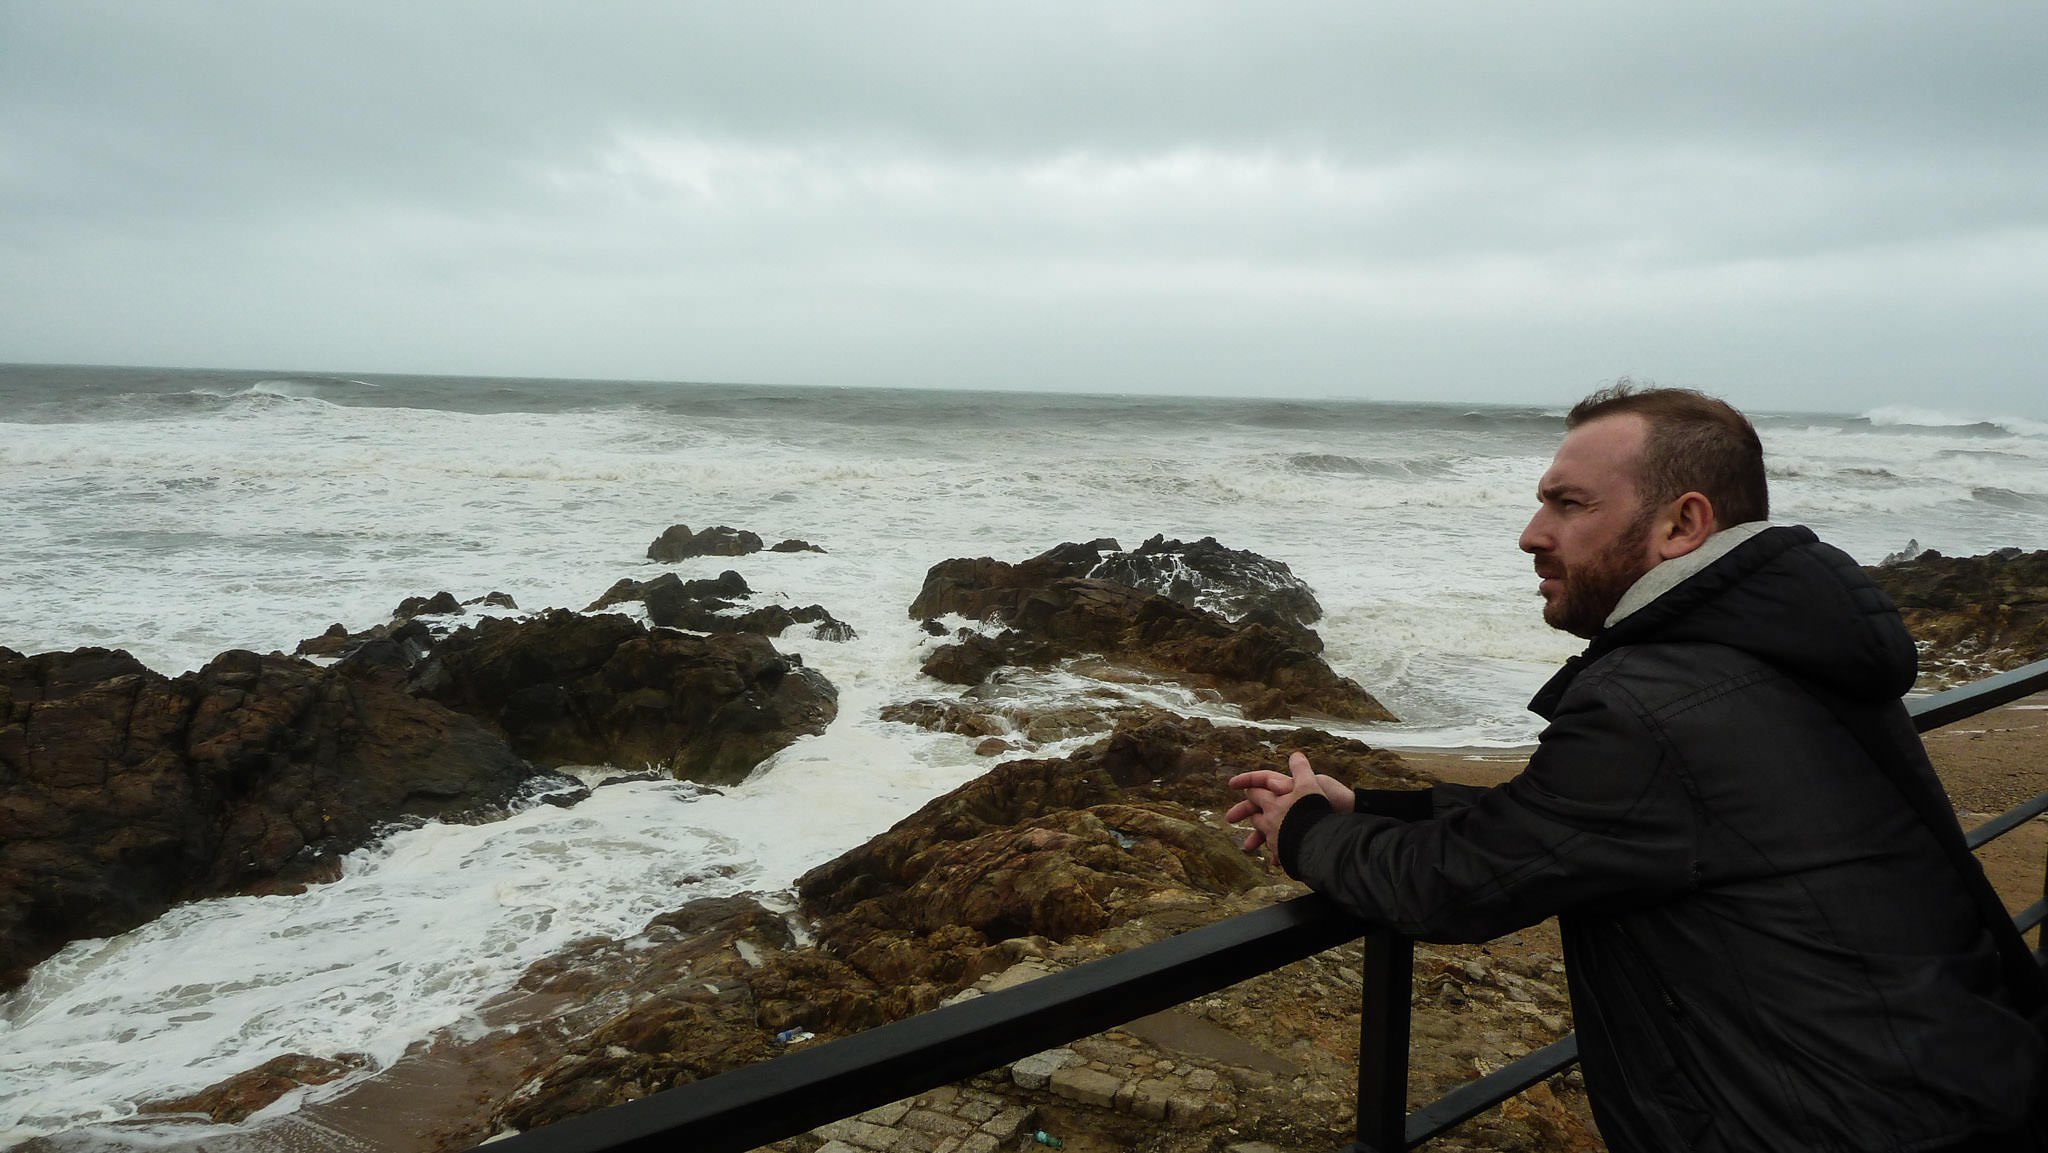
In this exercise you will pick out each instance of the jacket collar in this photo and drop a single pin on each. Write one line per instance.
(1670, 574)
(1696, 585)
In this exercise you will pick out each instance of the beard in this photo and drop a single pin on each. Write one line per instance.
(1592, 588)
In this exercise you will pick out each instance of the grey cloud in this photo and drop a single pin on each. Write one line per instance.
(1828, 196)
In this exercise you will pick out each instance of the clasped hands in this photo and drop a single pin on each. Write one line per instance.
(1268, 794)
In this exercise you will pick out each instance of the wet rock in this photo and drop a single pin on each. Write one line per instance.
(123, 791)
(332, 643)
(794, 545)
(232, 1101)
(669, 1007)
(392, 648)
(1003, 721)
(1231, 583)
(948, 717)
(1257, 666)
(983, 588)
(1050, 848)
(440, 604)
(713, 606)
(566, 688)
(677, 542)
(1971, 616)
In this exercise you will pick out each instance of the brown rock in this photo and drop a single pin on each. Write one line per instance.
(1972, 616)
(123, 791)
(1254, 665)
(1048, 848)
(712, 606)
(674, 1006)
(232, 1101)
(566, 688)
(677, 542)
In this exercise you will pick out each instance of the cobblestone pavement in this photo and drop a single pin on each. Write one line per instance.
(1117, 1074)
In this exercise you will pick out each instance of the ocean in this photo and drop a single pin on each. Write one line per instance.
(180, 513)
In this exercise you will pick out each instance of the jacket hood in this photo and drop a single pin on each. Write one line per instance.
(1786, 598)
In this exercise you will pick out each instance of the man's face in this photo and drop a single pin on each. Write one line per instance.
(1591, 535)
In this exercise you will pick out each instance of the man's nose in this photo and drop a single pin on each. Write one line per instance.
(1533, 539)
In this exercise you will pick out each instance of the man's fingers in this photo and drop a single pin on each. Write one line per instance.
(1301, 772)
(1265, 779)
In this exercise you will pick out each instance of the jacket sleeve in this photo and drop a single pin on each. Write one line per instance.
(1440, 800)
(1599, 817)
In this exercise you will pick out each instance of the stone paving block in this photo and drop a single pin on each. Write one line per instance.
(838, 1147)
(1008, 1123)
(1202, 1080)
(980, 1143)
(1087, 1086)
(934, 1122)
(888, 1114)
(1192, 1110)
(977, 1107)
(911, 1141)
(1034, 1071)
(1150, 1098)
(861, 1133)
(939, 1098)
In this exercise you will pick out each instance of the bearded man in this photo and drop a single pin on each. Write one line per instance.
(1773, 937)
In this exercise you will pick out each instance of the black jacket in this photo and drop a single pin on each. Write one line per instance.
(1765, 946)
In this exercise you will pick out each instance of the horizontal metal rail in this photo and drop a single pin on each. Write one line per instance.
(1946, 708)
(795, 1093)
(757, 1104)
(1475, 1097)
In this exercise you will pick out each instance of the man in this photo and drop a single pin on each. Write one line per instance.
(1770, 944)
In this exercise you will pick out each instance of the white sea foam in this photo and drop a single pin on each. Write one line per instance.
(1903, 416)
(178, 531)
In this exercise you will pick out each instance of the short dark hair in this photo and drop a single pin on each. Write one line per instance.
(1697, 443)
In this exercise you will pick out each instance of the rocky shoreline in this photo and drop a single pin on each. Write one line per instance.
(125, 791)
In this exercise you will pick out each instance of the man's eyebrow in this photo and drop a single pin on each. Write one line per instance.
(1558, 491)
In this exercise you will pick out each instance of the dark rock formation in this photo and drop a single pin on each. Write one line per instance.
(1229, 582)
(571, 689)
(1972, 616)
(123, 791)
(1028, 726)
(794, 545)
(1258, 666)
(410, 637)
(233, 1100)
(674, 1007)
(1079, 599)
(677, 542)
(983, 588)
(397, 644)
(713, 606)
(1234, 584)
(440, 604)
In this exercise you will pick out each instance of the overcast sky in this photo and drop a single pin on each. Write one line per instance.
(1795, 205)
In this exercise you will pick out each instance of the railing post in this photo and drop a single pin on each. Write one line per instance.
(1383, 1043)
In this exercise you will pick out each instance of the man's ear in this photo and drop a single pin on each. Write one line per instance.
(1686, 524)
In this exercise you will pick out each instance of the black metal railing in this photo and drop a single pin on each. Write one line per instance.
(795, 1093)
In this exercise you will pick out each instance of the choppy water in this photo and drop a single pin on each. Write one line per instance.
(179, 514)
